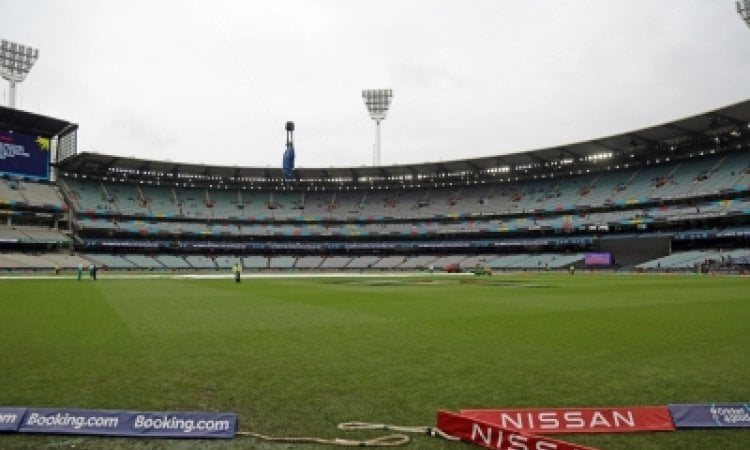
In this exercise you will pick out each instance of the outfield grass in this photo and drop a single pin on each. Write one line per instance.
(298, 356)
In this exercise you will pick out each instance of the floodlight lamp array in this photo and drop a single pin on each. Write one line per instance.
(16, 60)
(377, 102)
(743, 9)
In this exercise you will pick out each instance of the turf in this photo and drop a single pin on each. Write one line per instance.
(298, 356)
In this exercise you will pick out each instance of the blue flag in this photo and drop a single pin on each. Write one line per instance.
(288, 161)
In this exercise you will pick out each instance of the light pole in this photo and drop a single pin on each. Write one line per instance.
(16, 61)
(377, 102)
(743, 9)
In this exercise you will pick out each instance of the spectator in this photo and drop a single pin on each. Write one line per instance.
(237, 269)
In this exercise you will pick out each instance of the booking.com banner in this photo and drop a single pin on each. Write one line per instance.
(123, 423)
(711, 415)
(10, 418)
(24, 155)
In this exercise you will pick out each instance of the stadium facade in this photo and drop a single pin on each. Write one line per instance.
(669, 197)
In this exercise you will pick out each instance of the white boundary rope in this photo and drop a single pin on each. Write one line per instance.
(390, 440)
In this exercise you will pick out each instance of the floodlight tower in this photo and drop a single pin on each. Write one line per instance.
(743, 9)
(377, 102)
(16, 61)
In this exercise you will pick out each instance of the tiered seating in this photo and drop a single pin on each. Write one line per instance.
(335, 262)
(626, 186)
(640, 185)
(577, 191)
(603, 188)
(309, 262)
(418, 262)
(44, 234)
(111, 261)
(191, 202)
(65, 260)
(200, 262)
(11, 233)
(389, 262)
(281, 262)
(40, 194)
(507, 261)
(161, 201)
(679, 260)
(474, 199)
(7, 262)
(562, 261)
(690, 259)
(255, 262)
(226, 203)
(727, 174)
(536, 262)
(173, 262)
(127, 199)
(449, 260)
(24, 233)
(472, 262)
(285, 204)
(256, 204)
(144, 262)
(10, 192)
(320, 204)
(363, 262)
(24, 261)
(226, 262)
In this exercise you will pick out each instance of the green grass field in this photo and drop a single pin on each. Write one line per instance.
(298, 356)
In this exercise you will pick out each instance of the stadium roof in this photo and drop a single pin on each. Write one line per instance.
(30, 123)
(710, 130)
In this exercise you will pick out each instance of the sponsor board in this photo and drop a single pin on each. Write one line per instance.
(577, 420)
(495, 437)
(711, 415)
(10, 418)
(129, 423)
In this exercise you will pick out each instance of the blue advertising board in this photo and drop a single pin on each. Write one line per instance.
(200, 425)
(24, 155)
(711, 415)
(10, 418)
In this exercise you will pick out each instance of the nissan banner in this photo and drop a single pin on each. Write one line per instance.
(577, 420)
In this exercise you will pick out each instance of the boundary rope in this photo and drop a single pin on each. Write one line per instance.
(390, 440)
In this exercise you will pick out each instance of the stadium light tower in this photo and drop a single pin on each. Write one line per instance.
(377, 102)
(16, 61)
(743, 9)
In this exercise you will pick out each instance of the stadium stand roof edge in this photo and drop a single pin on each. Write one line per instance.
(31, 123)
(702, 131)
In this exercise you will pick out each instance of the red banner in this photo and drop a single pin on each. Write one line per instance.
(498, 438)
(577, 420)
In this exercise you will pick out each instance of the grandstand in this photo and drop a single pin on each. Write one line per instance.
(683, 185)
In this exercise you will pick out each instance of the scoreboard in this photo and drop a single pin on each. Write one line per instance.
(31, 144)
(24, 155)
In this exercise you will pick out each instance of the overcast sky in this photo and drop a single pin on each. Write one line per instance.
(215, 81)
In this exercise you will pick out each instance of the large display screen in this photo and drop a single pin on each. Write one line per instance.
(24, 155)
(598, 259)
